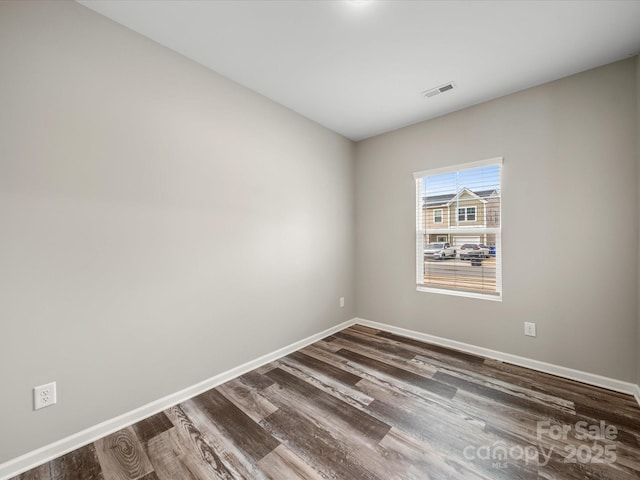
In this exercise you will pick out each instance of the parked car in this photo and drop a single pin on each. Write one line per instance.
(473, 250)
(439, 251)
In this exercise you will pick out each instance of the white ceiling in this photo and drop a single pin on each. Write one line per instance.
(359, 68)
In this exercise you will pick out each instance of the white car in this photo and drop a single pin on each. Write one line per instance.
(439, 251)
(473, 250)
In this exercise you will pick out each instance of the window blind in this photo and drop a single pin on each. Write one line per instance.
(458, 229)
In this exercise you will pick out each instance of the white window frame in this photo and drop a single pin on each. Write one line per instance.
(441, 210)
(466, 214)
(422, 232)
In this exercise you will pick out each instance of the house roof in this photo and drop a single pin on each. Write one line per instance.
(442, 200)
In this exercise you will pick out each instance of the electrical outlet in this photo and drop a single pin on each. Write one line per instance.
(530, 329)
(341, 302)
(44, 396)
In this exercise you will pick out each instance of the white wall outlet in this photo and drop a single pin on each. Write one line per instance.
(44, 396)
(341, 302)
(530, 329)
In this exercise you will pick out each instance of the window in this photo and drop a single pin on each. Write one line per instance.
(470, 263)
(467, 214)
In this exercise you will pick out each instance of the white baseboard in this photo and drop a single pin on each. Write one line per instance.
(42, 455)
(580, 376)
(61, 447)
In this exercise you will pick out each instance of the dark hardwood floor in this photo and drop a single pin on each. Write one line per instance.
(366, 404)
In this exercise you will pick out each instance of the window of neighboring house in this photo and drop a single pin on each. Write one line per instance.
(472, 190)
(467, 214)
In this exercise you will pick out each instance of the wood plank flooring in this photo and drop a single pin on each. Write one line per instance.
(367, 404)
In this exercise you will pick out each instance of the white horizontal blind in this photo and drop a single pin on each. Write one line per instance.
(458, 230)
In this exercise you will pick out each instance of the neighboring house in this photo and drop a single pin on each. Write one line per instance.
(444, 214)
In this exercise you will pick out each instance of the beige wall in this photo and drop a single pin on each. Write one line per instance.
(427, 214)
(465, 201)
(572, 141)
(160, 224)
(450, 214)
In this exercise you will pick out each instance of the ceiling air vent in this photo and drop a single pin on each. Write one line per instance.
(438, 90)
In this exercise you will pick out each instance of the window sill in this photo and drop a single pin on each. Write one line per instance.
(457, 293)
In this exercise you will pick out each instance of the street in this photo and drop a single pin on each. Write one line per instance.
(461, 274)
